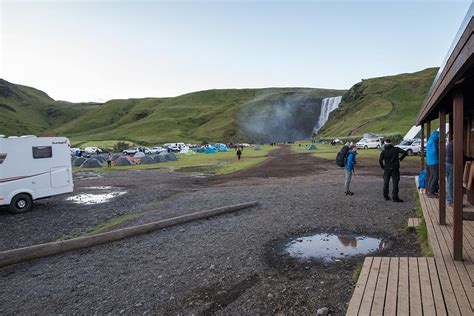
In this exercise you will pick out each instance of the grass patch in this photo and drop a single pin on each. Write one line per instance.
(422, 230)
(220, 163)
(104, 227)
(357, 272)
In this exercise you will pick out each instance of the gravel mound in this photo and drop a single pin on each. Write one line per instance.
(79, 161)
(147, 160)
(122, 161)
(91, 163)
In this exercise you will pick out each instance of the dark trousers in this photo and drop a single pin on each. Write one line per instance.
(433, 185)
(395, 175)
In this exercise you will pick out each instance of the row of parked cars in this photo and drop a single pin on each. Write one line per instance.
(412, 147)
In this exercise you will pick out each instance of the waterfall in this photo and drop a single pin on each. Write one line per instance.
(327, 106)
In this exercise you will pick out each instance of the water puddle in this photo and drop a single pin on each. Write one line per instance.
(329, 248)
(105, 187)
(89, 199)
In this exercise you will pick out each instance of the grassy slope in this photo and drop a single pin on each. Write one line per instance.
(381, 105)
(212, 115)
(25, 110)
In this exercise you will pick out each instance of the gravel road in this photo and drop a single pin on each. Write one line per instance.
(231, 264)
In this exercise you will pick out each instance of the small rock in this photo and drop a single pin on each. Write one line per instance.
(270, 295)
(212, 267)
(322, 311)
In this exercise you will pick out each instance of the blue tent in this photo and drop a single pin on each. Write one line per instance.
(222, 147)
(210, 150)
(312, 147)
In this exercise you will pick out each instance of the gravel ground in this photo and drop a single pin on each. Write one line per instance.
(231, 264)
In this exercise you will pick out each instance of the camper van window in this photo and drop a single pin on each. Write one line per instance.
(42, 152)
(2, 158)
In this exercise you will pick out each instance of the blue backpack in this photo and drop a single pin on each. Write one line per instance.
(422, 180)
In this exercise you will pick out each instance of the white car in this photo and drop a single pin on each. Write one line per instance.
(131, 150)
(157, 150)
(410, 146)
(365, 143)
(92, 150)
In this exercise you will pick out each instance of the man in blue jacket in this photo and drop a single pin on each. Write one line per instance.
(432, 161)
(349, 168)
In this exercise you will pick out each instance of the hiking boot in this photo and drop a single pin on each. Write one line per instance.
(386, 198)
(431, 196)
(349, 193)
(397, 200)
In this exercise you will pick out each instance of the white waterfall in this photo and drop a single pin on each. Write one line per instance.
(327, 106)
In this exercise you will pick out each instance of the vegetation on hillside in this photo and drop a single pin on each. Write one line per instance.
(385, 105)
(213, 115)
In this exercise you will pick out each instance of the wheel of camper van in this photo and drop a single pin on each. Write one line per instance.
(20, 203)
(410, 152)
(365, 147)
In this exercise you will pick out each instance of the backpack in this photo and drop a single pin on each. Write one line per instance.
(422, 180)
(342, 156)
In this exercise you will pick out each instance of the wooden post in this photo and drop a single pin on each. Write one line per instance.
(422, 154)
(458, 162)
(451, 128)
(442, 166)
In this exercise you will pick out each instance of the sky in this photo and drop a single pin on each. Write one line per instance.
(100, 50)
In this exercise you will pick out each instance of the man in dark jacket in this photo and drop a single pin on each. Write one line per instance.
(389, 160)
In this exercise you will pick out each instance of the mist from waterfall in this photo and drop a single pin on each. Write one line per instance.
(327, 106)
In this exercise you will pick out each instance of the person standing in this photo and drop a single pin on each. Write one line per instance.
(389, 161)
(109, 160)
(449, 171)
(239, 153)
(432, 161)
(349, 168)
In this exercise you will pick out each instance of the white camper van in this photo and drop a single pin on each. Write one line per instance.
(33, 168)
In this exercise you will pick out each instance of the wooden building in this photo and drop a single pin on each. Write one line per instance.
(451, 99)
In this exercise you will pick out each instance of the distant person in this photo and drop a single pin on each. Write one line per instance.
(432, 161)
(109, 160)
(389, 160)
(349, 168)
(239, 153)
(449, 172)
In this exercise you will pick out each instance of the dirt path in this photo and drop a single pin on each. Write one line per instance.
(227, 265)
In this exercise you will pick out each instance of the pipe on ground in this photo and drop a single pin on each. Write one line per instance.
(18, 255)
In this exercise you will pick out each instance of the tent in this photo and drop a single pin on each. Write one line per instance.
(139, 154)
(91, 163)
(222, 147)
(201, 150)
(172, 157)
(312, 147)
(123, 161)
(147, 160)
(101, 159)
(159, 158)
(210, 150)
(79, 161)
(258, 147)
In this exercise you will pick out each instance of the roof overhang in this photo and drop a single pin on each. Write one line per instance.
(459, 64)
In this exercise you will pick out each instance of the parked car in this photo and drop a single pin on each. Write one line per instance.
(157, 149)
(410, 146)
(366, 143)
(92, 150)
(131, 150)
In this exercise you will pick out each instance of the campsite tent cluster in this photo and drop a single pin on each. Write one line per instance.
(100, 160)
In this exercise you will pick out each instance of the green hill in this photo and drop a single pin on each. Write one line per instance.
(213, 115)
(385, 105)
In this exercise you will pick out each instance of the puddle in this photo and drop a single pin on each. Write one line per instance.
(105, 187)
(86, 175)
(89, 199)
(329, 248)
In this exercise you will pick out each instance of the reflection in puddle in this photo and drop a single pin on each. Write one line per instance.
(329, 247)
(89, 199)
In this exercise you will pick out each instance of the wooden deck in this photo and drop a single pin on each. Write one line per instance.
(435, 285)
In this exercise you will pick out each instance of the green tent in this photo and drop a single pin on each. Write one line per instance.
(312, 147)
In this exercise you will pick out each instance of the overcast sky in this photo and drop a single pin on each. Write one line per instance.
(96, 51)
